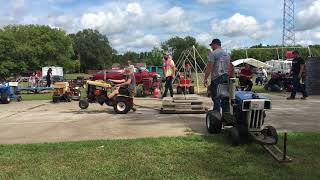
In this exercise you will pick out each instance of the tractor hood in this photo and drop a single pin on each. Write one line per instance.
(246, 95)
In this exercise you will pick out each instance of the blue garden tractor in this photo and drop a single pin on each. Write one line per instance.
(9, 92)
(246, 120)
(245, 123)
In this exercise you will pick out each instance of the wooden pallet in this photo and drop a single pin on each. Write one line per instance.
(182, 104)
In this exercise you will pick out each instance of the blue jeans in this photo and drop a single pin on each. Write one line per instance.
(219, 102)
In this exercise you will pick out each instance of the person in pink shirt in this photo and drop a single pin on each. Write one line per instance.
(169, 69)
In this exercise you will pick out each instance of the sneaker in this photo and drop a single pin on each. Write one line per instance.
(291, 98)
(304, 98)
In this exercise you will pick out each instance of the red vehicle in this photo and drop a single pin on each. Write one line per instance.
(117, 74)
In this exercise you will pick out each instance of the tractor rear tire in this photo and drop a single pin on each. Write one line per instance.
(121, 105)
(191, 90)
(271, 132)
(213, 122)
(83, 104)
(6, 98)
(180, 90)
(234, 136)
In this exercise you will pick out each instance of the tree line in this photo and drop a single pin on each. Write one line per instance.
(31, 47)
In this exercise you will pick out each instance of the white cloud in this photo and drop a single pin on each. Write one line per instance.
(309, 17)
(305, 42)
(206, 2)
(240, 25)
(134, 9)
(134, 41)
(148, 40)
(133, 17)
(308, 35)
(170, 17)
(308, 23)
(204, 38)
(67, 22)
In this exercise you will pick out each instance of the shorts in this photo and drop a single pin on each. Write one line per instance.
(124, 91)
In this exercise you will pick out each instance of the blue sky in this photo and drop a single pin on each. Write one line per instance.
(142, 24)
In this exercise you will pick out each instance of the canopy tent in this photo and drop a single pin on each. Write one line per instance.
(252, 62)
(282, 66)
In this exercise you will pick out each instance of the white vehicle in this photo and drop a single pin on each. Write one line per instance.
(56, 71)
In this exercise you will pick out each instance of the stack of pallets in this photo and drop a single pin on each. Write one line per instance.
(182, 104)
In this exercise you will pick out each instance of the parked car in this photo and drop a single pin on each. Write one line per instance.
(118, 74)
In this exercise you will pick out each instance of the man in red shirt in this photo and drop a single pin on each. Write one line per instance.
(245, 77)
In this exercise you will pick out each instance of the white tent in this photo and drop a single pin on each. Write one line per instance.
(252, 62)
(280, 65)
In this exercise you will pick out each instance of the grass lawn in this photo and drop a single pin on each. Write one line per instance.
(191, 157)
(74, 76)
(31, 97)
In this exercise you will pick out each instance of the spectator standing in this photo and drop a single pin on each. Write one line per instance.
(297, 70)
(169, 69)
(49, 77)
(261, 76)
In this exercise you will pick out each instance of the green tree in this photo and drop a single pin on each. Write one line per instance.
(30, 47)
(93, 49)
(178, 45)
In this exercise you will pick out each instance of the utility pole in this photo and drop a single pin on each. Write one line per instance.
(288, 36)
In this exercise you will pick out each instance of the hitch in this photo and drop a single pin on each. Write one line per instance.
(276, 153)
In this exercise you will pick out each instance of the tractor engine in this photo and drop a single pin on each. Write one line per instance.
(250, 110)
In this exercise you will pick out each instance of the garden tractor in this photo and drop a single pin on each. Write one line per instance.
(245, 123)
(61, 92)
(98, 91)
(9, 92)
(185, 85)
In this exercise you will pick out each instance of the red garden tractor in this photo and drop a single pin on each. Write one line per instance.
(185, 85)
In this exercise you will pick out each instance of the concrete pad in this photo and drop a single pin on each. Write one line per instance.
(42, 121)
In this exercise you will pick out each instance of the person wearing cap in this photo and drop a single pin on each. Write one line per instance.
(169, 69)
(218, 67)
(297, 70)
(126, 86)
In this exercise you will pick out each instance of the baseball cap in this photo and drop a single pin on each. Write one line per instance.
(215, 41)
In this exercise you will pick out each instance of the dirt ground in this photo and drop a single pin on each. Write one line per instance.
(42, 121)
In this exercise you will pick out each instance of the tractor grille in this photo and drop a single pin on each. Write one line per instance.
(256, 119)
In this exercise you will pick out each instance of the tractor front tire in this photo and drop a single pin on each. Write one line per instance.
(271, 132)
(83, 104)
(55, 99)
(121, 105)
(6, 98)
(213, 122)
(234, 136)
(191, 90)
